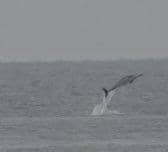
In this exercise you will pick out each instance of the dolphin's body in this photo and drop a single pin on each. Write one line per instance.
(122, 82)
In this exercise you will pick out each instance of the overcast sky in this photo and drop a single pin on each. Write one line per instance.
(74, 29)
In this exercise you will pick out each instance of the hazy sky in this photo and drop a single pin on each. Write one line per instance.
(74, 29)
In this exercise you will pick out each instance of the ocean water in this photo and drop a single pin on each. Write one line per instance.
(47, 106)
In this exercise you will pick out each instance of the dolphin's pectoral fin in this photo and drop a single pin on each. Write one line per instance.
(131, 81)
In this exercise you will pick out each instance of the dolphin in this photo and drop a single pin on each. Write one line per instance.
(122, 82)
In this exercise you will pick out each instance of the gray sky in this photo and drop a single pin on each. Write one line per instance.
(74, 29)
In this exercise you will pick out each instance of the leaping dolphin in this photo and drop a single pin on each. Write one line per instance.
(101, 108)
(122, 82)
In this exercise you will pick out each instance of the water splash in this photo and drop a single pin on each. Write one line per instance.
(101, 109)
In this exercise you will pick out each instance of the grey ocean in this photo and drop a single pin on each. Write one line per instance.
(46, 107)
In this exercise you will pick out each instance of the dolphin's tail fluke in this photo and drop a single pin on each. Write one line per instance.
(105, 91)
